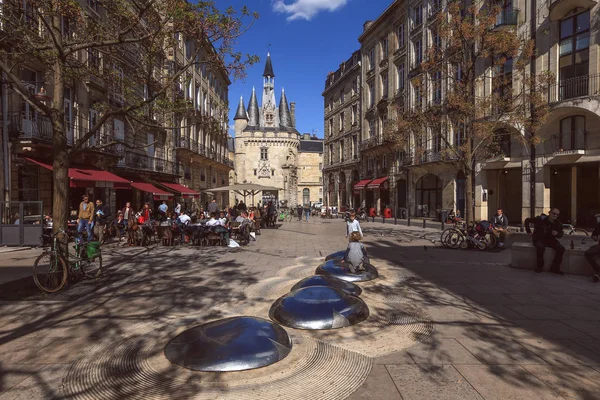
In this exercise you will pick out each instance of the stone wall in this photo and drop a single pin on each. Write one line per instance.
(310, 176)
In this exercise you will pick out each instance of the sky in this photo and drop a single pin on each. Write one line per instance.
(307, 39)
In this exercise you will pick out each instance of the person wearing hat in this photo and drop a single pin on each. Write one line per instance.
(594, 251)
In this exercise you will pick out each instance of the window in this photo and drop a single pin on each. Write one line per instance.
(354, 147)
(255, 172)
(400, 77)
(330, 126)
(306, 196)
(400, 36)
(437, 87)
(418, 46)
(263, 154)
(28, 182)
(93, 5)
(371, 94)
(354, 87)
(342, 97)
(418, 96)
(371, 59)
(502, 86)
(342, 118)
(436, 5)
(417, 12)
(372, 128)
(574, 54)
(342, 152)
(437, 41)
(354, 113)
(94, 61)
(331, 154)
(384, 85)
(384, 48)
(458, 73)
(272, 172)
(459, 134)
(572, 133)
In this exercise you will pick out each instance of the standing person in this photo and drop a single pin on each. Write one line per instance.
(272, 210)
(100, 218)
(547, 229)
(307, 212)
(500, 225)
(356, 254)
(162, 210)
(128, 213)
(594, 251)
(213, 207)
(299, 211)
(146, 213)
(178, 209)
(85, 216)
(353, 225)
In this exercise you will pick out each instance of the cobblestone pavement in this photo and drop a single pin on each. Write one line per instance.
(497, 332)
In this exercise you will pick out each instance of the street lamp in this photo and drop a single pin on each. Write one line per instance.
(42, 96)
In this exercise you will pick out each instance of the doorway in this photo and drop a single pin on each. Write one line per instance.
(560, 186)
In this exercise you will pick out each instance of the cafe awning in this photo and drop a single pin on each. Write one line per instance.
(83, 177)
(182, 190)
(150, 188)
(361, 185)
(379, 183)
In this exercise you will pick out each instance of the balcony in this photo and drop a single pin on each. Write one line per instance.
(192, 146)
(580, 86)
(373, 142)
(568, 143)
(431, 156)
(507, 17)
(104, 142)
(143, 162)
(30, 125)
(560, 8)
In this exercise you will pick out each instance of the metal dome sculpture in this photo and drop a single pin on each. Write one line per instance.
(318, 307)
(330, 281)
(336, 269)
(337, 255)
(230, 344)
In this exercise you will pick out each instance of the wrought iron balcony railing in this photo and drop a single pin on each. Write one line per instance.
(30, 125)
(567, 143)
(580, 86)
(507, 17)
(199, 148)
(143, 162)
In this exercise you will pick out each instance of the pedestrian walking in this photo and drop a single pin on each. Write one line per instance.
(299, 211)
(128, 213)
(100, 218)
(86, 217)
(547, 229)
(594, 251)
(353, 225)
(307, 212)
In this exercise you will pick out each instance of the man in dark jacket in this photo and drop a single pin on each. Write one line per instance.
(100, 218)
(547, 230)
(500, 224)
(594, 251)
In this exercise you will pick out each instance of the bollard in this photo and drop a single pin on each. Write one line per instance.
(373, 219)
(442, 225)
(383, 220)
(395, 221)
(521, 229)
(408, 221)
(424, 223)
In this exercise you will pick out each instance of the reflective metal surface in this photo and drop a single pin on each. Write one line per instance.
(334, 268)
(331, 281)
(230, 344)
(337, 255)
(318, 307)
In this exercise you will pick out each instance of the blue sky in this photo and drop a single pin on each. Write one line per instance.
(303, 50)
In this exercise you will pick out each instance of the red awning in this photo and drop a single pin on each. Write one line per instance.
(150, 188)
(361, 185)
(82, 177)
(379, 183)
(180, 189)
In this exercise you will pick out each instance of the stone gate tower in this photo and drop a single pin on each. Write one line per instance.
(266, 143)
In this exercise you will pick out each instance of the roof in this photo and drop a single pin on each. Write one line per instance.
(253, 110)
(241, 111)
(269, 67)
(311, 146)
(344, 68)
(375, 23)
(285, 119)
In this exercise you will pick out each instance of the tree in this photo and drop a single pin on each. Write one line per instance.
(474, 82)
(68, 38)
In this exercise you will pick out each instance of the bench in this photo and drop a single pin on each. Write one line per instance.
(523, 256)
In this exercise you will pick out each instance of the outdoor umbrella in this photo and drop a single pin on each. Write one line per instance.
(244, 189)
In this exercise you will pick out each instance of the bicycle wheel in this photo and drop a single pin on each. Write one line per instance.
(92, 268)
(454, 239)
(444, 237)
(288, 218)
(49, 272)
(580, 232)
(490, 240)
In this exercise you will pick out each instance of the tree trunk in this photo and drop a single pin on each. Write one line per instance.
(469, 195)
(60, 164)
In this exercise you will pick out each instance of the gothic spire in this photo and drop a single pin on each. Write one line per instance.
(241, 111)
(285, 118)
(269, 67)
(253, 110)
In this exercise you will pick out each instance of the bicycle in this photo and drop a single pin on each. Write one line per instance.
(52, 268)
(569, 229)
(285, 216)
(477, 235)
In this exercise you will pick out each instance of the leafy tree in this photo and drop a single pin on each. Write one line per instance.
(475, 82)
(66, 38)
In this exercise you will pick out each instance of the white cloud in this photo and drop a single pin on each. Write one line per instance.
(306, 9)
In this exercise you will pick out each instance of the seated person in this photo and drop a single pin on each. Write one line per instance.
(183, 219)
(118, 225)
(356, 254)
(223, 219)
(217, 227)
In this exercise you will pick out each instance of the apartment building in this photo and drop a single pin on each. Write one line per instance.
(342, 133)
(153, 157)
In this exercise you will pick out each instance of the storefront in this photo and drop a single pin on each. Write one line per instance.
(380, 189)
(428, 196)
(359, 188)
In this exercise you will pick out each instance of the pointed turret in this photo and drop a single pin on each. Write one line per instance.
(269, 67)
(285, 118)
(253, 110)
(241, 111)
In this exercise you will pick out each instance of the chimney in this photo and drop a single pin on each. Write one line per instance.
(293, 113)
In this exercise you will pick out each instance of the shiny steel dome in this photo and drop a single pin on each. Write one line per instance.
(334, 268)
(331, 281)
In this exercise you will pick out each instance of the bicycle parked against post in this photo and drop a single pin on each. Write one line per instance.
(52, 268)
(479, 235)
(569, 229)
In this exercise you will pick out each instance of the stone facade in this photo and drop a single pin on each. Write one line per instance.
(268, 146)
(310, 164)
(342, 96)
